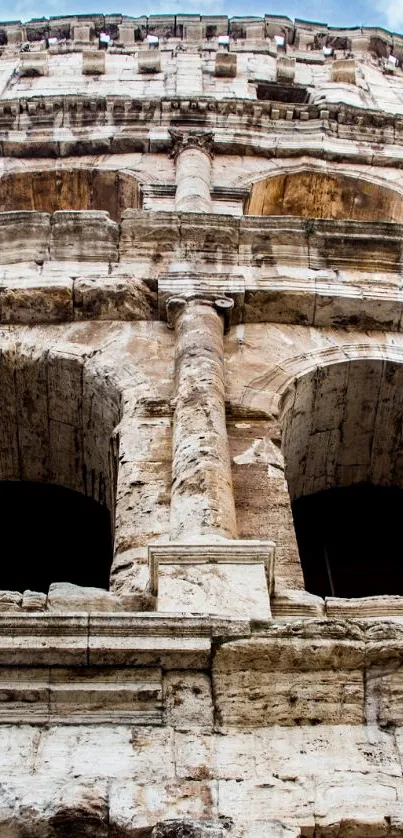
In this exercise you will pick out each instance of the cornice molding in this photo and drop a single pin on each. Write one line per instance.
(119, 123)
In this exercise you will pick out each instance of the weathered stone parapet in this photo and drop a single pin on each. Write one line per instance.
(202, 500)
(192, 152)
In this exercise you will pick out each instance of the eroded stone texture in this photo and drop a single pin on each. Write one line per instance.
(189, 829)
(202, 502)
(205, 694)
(193, 171)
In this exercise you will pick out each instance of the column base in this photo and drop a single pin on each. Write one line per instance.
(229, 578)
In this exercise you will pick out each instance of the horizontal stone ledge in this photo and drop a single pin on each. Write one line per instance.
(324, 141)
(374, 607)
(171, 28)
(120, 625)
(81, 695)
(82, 639)
(276, 269)
(291, 603)
(365, 303)
(257, 241)
(30, 236)
(130, 111)
(91, 235)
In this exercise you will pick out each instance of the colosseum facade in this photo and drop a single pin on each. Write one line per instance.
(201, 428)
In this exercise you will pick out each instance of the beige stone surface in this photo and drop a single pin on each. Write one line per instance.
(251, 169)
(63, 596)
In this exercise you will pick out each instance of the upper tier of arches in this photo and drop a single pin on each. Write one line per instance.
(310, 193)
(52, 189)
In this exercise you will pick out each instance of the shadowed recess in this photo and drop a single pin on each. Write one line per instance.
(58, 468)
(309, 194)
(52, 534)
(343, 453)
(69, 189)
(349, 541)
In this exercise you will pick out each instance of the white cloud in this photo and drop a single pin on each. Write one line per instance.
(392, 10)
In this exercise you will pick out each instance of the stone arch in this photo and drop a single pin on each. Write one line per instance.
(72, 188)
(272, 390)
(57, 418)
(342, 439)
(315, 190)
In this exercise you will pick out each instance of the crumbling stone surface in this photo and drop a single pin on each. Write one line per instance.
(63, 596)
(189, 829)
(200, 321)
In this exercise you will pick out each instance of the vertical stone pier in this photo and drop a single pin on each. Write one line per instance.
(204, 568)
(202, 499)
(193, 154)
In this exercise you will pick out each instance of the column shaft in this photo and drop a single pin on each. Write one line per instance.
(202, 500)
(193, 176)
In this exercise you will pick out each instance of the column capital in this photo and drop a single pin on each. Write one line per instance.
(182, 140)
(223, 305)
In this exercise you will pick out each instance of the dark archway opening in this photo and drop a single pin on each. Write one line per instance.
(51, 189)
(52, 534)
(350, 542)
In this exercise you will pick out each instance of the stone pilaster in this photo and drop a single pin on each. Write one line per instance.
(203, 568)
(193, 154)
(202, 500)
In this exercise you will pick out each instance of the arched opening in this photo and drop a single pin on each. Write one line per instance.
(58, 468)
(69, 189)
(349, 540)
(313, 194)
(343, 448)
(52, 534)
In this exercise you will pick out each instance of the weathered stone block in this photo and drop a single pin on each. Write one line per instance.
(34, 601)
(294, 603)
(82, 33)
(63, 596)
(36, 300)
(117, 298)
(193, 31)
(141, 806)
(225, 65)
(343, 71)
(33, 64)
(255, 30)
(14, 35)
(229, 578)
(190, 829)
(188, 700)
(360, 43)
(24, 236)
(10, 600)
(93, 62)
(252, 686)
(144, 233)
(126, 34)
(285, 69)
(89, 235)
(149, 61)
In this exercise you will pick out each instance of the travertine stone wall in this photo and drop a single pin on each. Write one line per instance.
(201, 311)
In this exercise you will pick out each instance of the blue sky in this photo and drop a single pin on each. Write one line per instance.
(387, 13)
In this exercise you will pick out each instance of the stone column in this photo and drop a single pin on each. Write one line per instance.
(192, 153)
(202, 500)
